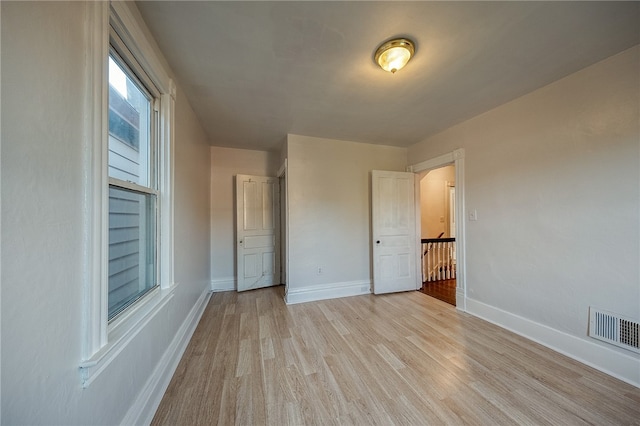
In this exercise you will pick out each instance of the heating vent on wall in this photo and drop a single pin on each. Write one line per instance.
(614, 328)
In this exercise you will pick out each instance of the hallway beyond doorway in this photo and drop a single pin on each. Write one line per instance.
(444, 290)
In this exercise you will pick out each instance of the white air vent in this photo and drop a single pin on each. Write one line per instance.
(615, 329)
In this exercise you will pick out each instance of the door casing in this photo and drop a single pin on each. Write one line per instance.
(457, 158)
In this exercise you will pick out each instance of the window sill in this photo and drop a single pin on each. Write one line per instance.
(122, 331)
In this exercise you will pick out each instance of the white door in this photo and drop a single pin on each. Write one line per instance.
(257, 232)
(394, 232)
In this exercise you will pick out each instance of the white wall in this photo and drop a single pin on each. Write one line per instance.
(42, 241)
(191, 201)
(329, 193)
(554, 176)
(226, 163)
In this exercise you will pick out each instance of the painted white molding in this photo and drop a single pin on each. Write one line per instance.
(128, 28)
(282, 169)
(437, 162)
(417, 204)
(283, 173)
(223, 284)
(458, 153)
(327, 291)
(144, 407)
(461, 299)
(123, 332)
(594, 354)
(461, 234)
(96, 202)
(166, 154)
(103, 341)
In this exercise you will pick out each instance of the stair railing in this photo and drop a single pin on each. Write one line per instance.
(438, 259)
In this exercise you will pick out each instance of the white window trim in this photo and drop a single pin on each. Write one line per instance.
(132, 186)
(104, 341)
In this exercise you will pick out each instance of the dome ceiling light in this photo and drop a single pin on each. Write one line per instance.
(394, 54)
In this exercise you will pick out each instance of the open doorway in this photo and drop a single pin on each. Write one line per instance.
(455, 157)
(438, 232)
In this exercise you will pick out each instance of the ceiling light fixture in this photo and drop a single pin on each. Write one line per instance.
(394, 54)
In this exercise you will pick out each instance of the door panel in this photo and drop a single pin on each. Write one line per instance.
(394, 232)
(257, 239)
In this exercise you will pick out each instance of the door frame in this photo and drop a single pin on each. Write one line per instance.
(450, 203)
(284, 225)
(457, 159)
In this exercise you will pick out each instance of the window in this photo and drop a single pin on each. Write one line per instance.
(132, 189)
(128, 183)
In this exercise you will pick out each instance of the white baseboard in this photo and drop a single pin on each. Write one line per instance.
(461, 300)
(223, 284)
(327, 291)
(594, 354)
(144, 407)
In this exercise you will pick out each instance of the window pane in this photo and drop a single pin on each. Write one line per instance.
(132, 247)
(129, 128)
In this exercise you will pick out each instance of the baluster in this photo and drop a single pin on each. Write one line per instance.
(447, 260)
(443, 270)
(430, 261)
(434, 271)
(429, 253)
(422, 260)
(450, 260)
(434, 267)
(444, 260)
(424, 263)
(432, 252)
(453, 260)
(439, 262)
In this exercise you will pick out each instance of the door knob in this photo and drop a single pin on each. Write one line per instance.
(378, 242)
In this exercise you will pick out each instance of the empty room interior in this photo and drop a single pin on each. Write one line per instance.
(237, 212)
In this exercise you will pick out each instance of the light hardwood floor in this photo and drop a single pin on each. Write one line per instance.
(392, 359)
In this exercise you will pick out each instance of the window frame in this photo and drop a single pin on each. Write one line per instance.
(119, 53)
(104, 339)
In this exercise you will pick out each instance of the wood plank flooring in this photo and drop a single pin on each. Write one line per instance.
(404, 359)
(444, 290)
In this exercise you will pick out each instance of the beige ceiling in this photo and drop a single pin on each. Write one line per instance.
(255, 71)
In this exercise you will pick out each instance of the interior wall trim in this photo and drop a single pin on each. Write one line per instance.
(594, 354)
(327, 291)
(144, 407)
(223, 284)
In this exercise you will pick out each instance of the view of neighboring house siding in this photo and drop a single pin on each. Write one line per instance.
(126, 249)
(45, 252)
(127, 210)
(124, 139)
